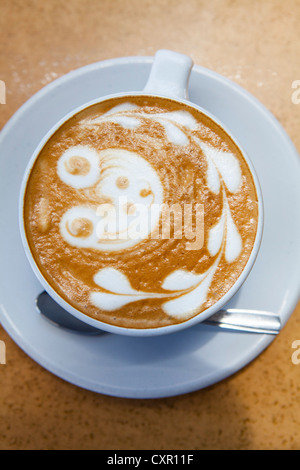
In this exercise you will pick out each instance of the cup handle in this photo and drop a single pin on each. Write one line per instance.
(169, 75)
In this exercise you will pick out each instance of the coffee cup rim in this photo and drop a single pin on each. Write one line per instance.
(110, 328)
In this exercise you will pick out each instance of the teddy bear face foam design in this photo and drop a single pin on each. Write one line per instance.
(127, 188)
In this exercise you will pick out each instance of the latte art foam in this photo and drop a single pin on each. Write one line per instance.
(96, 205)
(121, 181)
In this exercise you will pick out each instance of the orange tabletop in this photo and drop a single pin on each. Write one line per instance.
(252, 42)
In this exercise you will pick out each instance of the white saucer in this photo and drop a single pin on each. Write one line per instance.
(180, 362)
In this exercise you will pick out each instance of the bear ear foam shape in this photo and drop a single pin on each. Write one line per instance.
(79, 167)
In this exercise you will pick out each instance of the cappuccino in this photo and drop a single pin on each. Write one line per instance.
(141, 212)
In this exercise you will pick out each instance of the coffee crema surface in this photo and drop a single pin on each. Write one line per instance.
(141, 212)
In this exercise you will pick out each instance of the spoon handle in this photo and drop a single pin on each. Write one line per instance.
(253, 321)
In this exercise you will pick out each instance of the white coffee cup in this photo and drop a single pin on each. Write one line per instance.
(168, 78)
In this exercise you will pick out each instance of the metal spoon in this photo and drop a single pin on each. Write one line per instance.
(56, 314)
(253, 321)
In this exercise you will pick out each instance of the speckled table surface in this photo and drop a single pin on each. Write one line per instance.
(256, 44)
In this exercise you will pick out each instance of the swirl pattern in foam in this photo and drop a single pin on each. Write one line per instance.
(115, 171)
